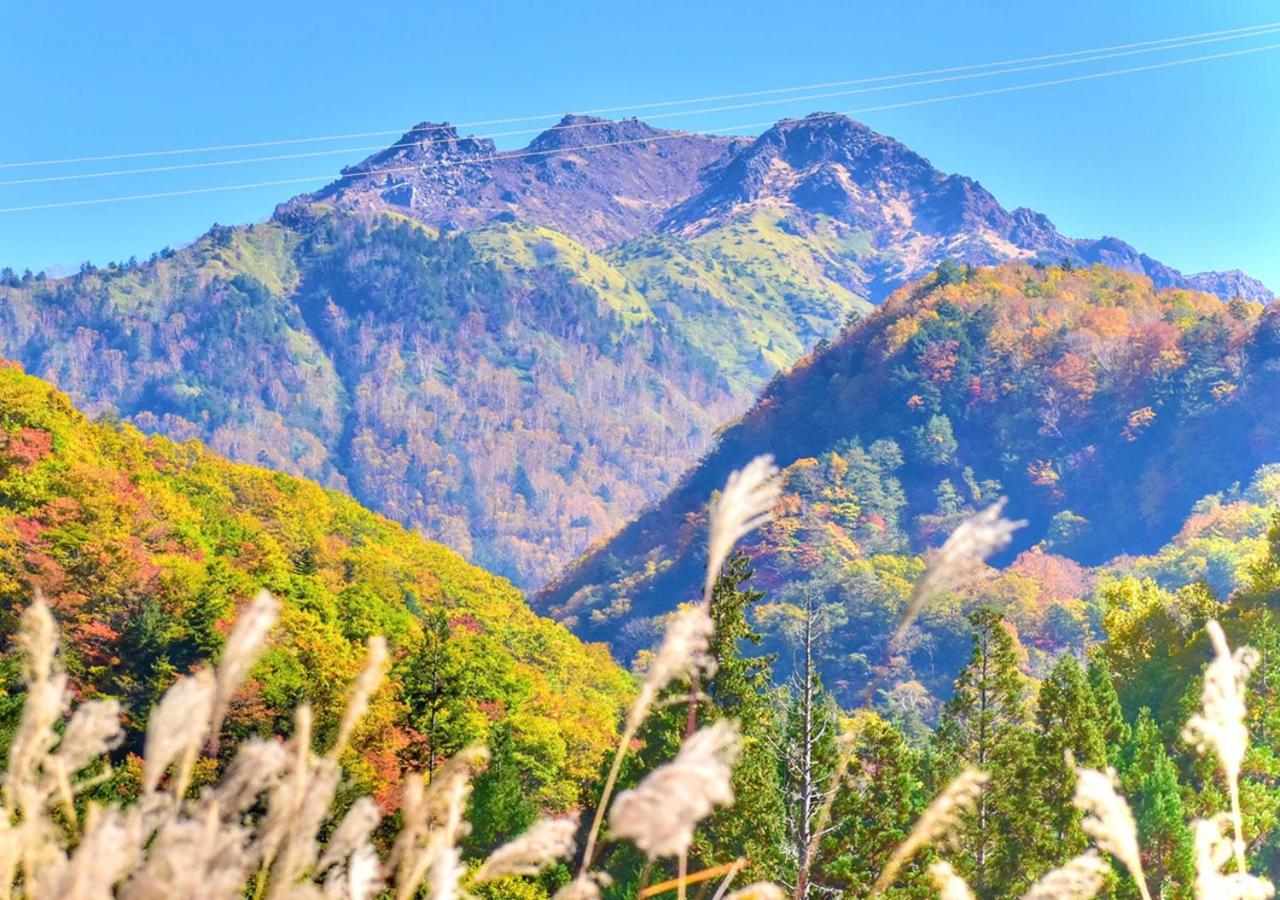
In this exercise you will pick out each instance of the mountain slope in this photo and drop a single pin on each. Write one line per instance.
(514, 352)
(145, 548)
(1104, 408)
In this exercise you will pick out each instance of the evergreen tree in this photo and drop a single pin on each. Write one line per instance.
(1115, 731)
(982, 726)
(434, 689)
(1044, 829)
(874, 811)
(754, 828)
(1150, 778)
(501, 806)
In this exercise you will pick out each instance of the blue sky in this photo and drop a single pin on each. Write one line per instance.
(1181, 162)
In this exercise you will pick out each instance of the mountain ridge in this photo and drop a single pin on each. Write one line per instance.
(516, 356)
(834, 165)
(1103, 408)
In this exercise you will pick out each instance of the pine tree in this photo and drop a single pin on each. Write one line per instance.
(755, 827)
(501, 806)
(875, 809)
(982, 726)
(434, 689)
(1045, 828)
(1115, 731)
(1150, 778)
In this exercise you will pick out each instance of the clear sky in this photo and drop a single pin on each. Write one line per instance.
(1182, 162)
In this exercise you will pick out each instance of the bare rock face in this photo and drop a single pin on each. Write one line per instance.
(605, 182)
(597, 181)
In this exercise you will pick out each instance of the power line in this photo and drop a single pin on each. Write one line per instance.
(497, 157)
(1241, 31)
(147, 170)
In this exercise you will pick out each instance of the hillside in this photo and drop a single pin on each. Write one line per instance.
(146, 548)
(515, 352)
(1105, 409)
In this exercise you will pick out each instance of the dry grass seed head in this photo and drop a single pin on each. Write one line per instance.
(939, 822)
(1079, 879)
(1109, 821)
(178, 724)
(745, 504)
(660, 814)
(247, 640)
(1213, 850)
(544, 842)
(761, 890)
(949, 884)
(584, 887)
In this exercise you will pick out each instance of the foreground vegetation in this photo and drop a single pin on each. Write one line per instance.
(1027, 791)
(146, 551)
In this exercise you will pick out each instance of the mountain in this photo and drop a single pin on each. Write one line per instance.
(604, 183)
(145, 548)
(514, 352)
(1104, 408)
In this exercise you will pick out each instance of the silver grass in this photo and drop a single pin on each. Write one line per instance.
(939, 821)
(1220, 724)
(684, 651)
(108, 851)
(257, 767)
(760, 891)
(432, 824)
(958, 561)
(1109, 821)
(745, 504)
(46, 700)
(241, 651)
(360, 879)
(948, 883)
(94, 729)
(1079, 879)
(584, 887)
(544, 842)
(659, 815)
(202, 857)
(1213, 851)
(363, 689)
(352, 832)
(177, 727)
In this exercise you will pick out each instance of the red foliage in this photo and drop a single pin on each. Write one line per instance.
(1059, 578)
(25, 447)
(938, 360)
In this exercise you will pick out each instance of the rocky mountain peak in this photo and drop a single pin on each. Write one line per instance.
(585, 131)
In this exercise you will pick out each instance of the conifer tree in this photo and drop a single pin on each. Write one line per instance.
(874, 810)
(501, 806)
(982, 726)
(1045, 827)
(1151, 780)
(755, 827)
(1115, 730)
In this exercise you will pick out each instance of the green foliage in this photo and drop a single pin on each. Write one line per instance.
(146, 549)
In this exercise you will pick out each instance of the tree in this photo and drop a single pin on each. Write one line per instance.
(808, 753)
(501, 806)
(1150, 778)
(434, 690)
(1115, 730)
(1045, 827)
(755, 827)
(982, 726)
(874, 811)
(936, 441)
